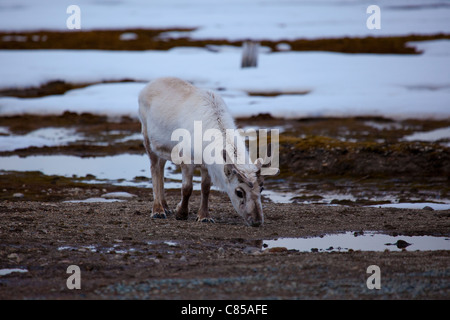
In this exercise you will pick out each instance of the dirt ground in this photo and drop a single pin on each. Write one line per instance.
(124, 254)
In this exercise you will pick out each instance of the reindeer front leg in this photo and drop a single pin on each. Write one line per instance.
(203, 213)
(182, 210)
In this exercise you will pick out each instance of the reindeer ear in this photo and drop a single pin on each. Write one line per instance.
(260, 180)
(231, 171)
(228, 170)
(224, 155)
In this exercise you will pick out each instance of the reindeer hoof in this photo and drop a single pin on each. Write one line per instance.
(207, 220)
(181, 217)
(180, 213)
(159, 215)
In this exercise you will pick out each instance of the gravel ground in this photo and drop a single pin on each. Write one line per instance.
(124, 254)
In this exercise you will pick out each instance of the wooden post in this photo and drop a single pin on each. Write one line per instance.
(249, 54)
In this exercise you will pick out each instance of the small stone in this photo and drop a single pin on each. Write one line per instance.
(14, 256)
(221, 252)
(155, 260)
(250, 250)
(402, 244)
(18, 195)
(428, 208)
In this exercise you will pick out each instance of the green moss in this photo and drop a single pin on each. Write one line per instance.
(34, 185)
(328, 143)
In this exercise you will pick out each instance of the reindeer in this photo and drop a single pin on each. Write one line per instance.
(167, 104)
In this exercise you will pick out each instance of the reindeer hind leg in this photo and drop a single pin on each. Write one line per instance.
(161, 165)
(158, 210)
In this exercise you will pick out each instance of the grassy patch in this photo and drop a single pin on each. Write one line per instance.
(381, 45)
(86, 123)
(150, 39)
(276, 93)
(34, 185)
(50, 88)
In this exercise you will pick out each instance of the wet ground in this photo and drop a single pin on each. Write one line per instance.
(123, 253)
(59, 207)
(347, 161)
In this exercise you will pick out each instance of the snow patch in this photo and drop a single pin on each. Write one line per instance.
(339, 84)
(45, 137)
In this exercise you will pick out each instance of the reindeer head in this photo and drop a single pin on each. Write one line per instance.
(245, 184)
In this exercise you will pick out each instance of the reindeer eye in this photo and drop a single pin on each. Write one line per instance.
(239, 193)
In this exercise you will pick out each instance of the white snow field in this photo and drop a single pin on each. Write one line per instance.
(396, 86)
(235, 19)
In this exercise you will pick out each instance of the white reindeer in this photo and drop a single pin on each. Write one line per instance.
(167, 104)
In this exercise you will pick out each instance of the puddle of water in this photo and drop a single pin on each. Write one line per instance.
(98, 249)
(415, 205)
(434, 135)
(123, 249)
(48, 137)
(119, 194)
(4, 131)
(52, 137)
(4, 272)
(94, 200)
(369, 241)
(384, 125)
(134, 170)
(123, 166)
(279, 197)
(119, 170)
(107, 197)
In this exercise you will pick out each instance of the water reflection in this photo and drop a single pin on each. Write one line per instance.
(367, 241)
